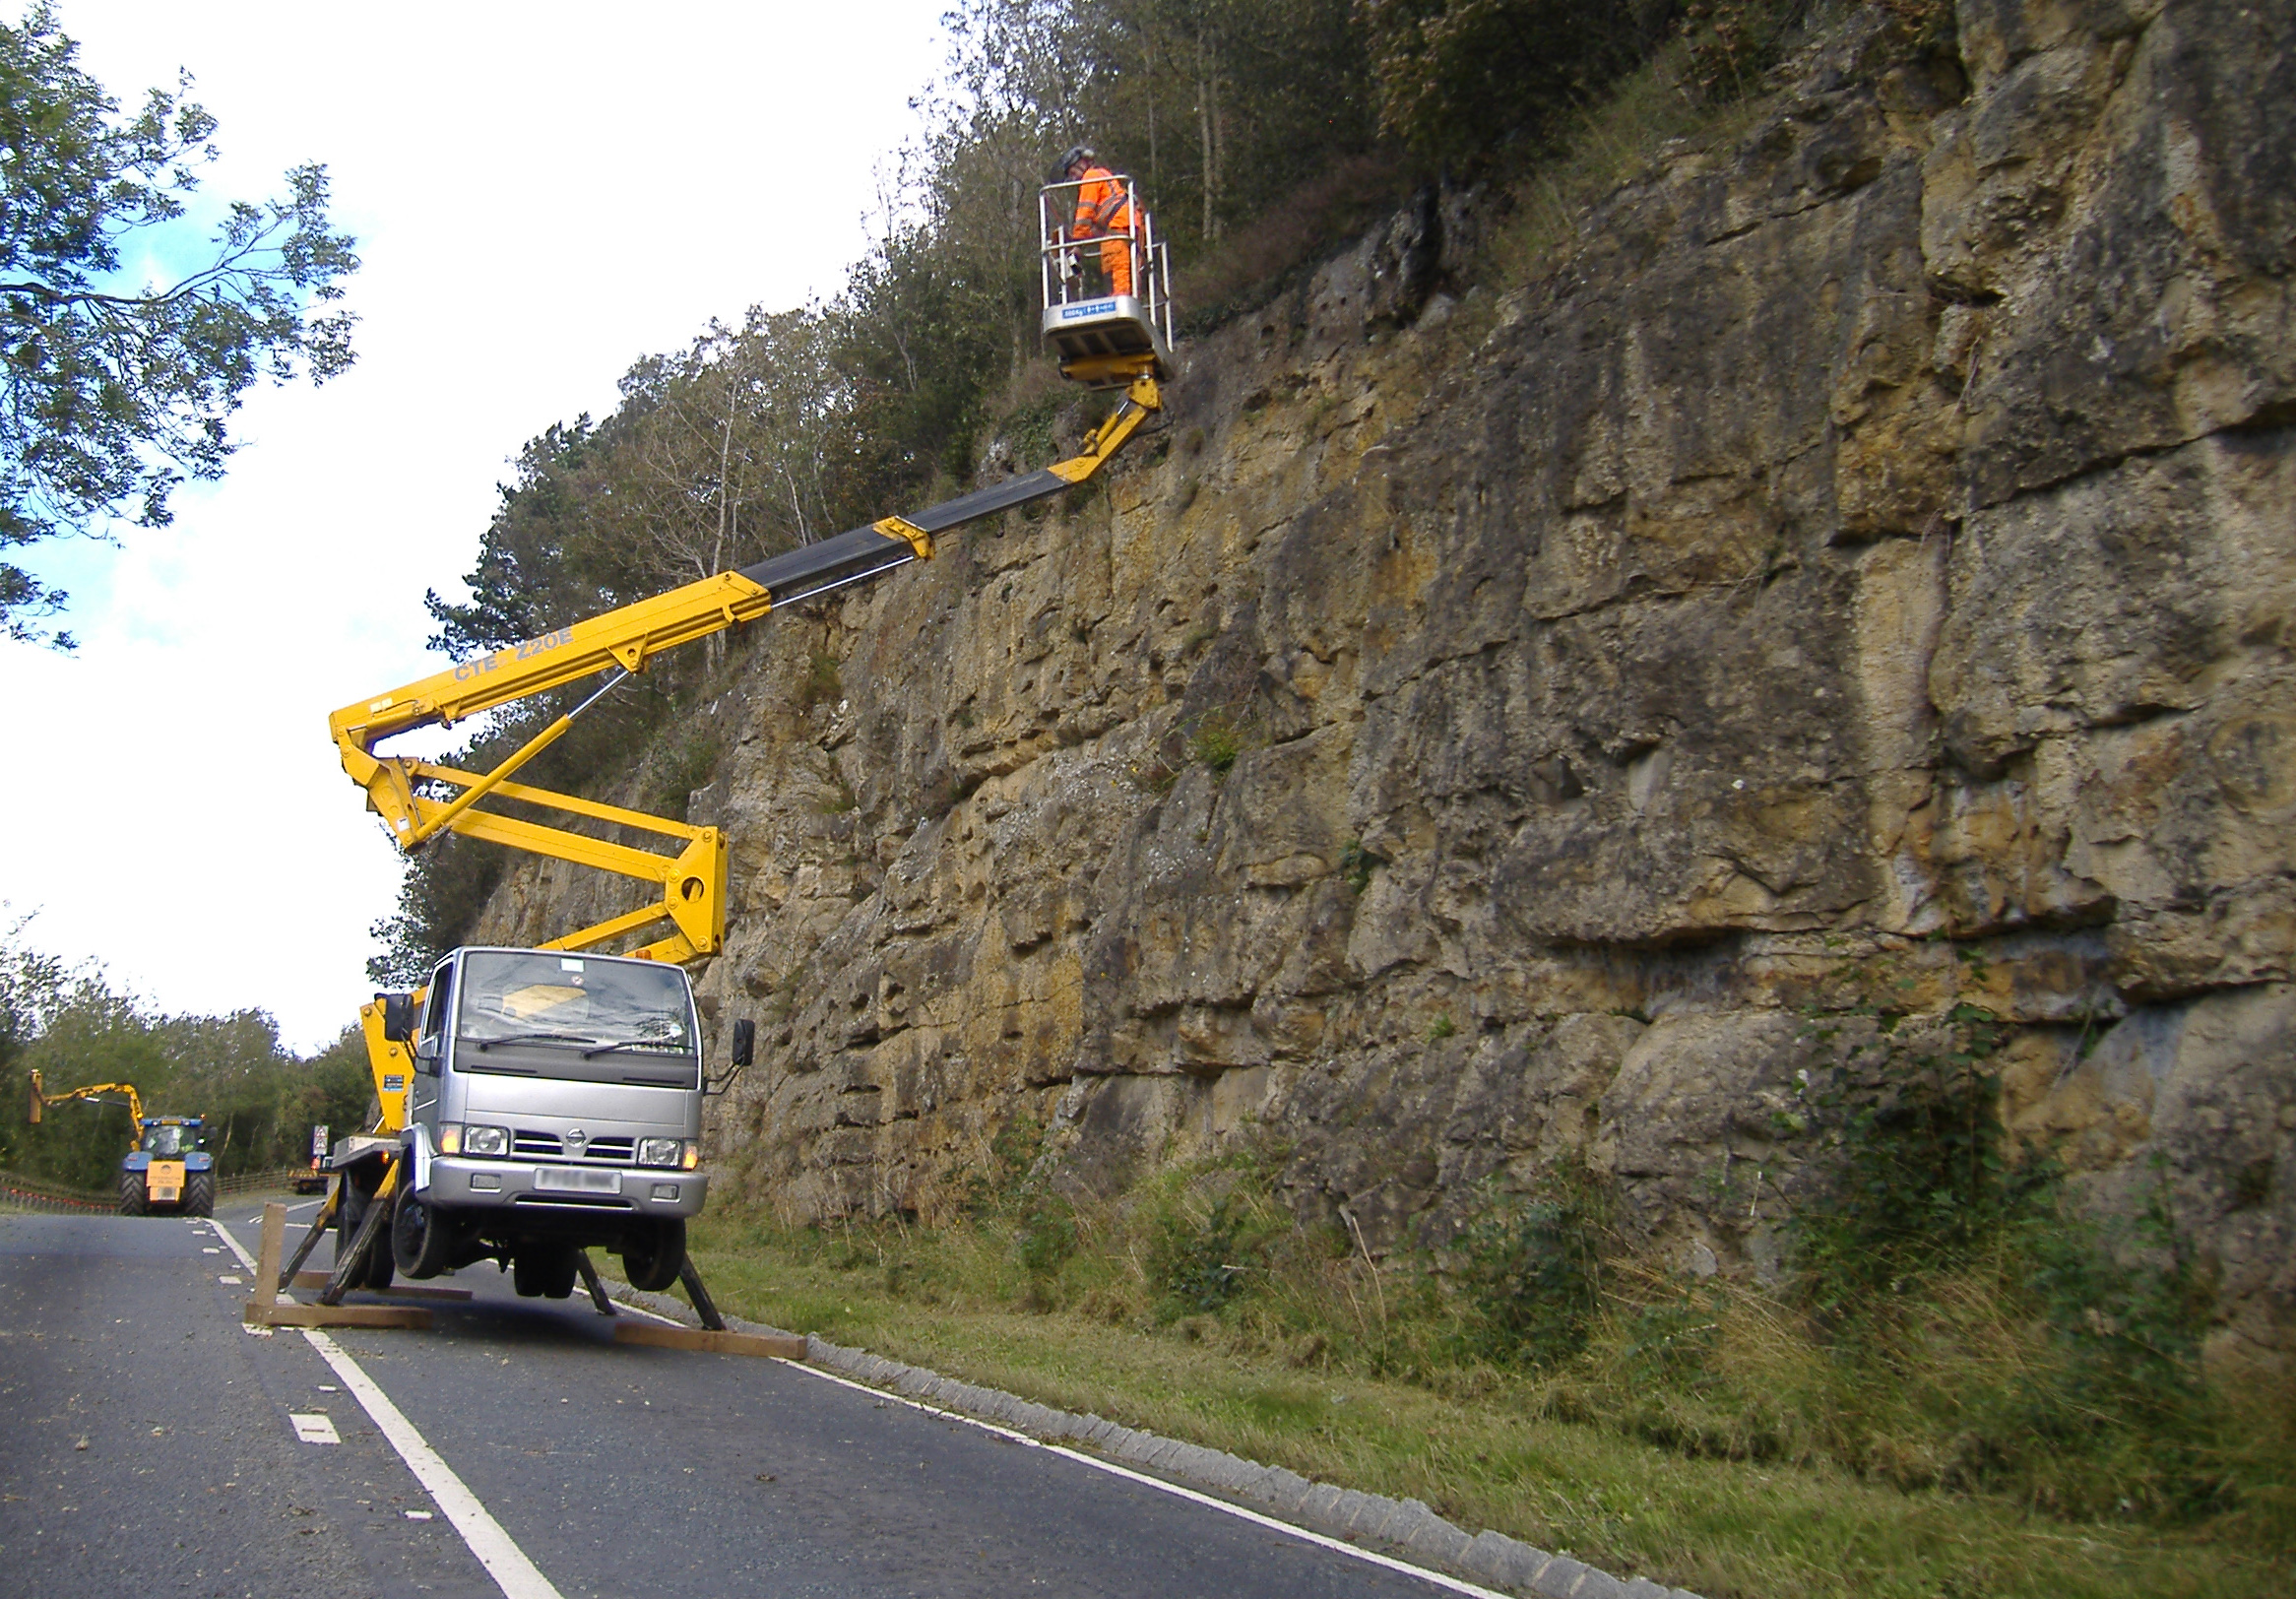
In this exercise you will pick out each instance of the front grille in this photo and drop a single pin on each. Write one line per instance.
(574, 1201)
(528, 1144)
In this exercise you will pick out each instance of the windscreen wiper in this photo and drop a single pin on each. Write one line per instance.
(536, 1038)
(635, 1044)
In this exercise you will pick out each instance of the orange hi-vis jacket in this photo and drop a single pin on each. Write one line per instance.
(1104, 208)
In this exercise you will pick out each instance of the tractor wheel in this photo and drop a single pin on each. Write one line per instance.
(131, 1194)
(654, 1254)
(418, 1244)
(544, 1271)
(199, 1194)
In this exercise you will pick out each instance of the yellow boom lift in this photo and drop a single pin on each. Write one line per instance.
(1103, 341)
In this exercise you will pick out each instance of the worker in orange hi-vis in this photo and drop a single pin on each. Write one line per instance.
(1104, 210)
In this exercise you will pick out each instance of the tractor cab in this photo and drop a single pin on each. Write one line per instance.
(1106, 288)
(171, 1137)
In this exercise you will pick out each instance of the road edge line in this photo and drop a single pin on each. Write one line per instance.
(1290, 1529)
(1511, 1567)
(494, 1548)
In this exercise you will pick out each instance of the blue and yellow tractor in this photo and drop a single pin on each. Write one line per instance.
(168, 1167)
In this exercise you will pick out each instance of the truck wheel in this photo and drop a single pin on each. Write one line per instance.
(544, 1271)
(199, 1194)
(418, 1244)
(131, 1194)
(654, 1254)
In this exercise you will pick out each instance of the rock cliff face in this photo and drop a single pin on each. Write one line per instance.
(1471, 734)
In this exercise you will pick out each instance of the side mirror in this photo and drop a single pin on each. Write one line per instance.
(744, 1041)
(426, 1057)
(397, 1016)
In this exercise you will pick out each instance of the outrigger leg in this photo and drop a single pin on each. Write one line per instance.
(590, 1280)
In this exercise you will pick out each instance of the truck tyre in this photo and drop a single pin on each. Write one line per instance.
(356, 1198)
(131, 1194)
(199, 1194)
(418, 1244)
(543, 1270)
(654, 1254)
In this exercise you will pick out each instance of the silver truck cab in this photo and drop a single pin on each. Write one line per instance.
(556, 1106)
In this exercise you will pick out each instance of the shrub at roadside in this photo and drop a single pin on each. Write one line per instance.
(1950, 1320)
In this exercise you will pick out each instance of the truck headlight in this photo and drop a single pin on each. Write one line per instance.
(486, 1140)
(661, 1151)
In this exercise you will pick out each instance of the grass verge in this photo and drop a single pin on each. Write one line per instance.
(1482, 1445)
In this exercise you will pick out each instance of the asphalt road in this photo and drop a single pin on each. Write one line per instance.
(148, 1446)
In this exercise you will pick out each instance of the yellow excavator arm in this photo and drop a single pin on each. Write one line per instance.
(41, 1100)
(418, 800)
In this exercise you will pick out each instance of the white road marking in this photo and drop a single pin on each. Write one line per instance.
(245, 1259)
(1438, 1579)
(1450, 1584)
(231, 1282)
(257, 1221)
(656, 1315)
(314, 1429)
(448, 1491)
(515, 1575)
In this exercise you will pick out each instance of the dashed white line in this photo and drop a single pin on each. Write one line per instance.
(515, 1575)
(458, 1501)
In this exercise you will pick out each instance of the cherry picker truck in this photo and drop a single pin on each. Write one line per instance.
(538, 1102)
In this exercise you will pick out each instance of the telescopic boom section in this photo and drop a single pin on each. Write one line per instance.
(419, 801)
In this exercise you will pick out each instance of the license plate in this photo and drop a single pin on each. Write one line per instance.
(578, 1181)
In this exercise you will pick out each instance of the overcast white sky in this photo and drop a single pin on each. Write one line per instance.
(542, 193)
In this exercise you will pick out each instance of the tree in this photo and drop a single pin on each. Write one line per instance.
(1456, 76)
(32, 989)
(112, 393)
(76, 1028)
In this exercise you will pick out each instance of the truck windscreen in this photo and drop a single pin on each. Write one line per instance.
(535, 1013)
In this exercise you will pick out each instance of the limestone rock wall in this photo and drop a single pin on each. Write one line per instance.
(1863, 576)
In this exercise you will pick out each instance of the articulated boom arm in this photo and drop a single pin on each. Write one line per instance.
(689, 917)
(41, 1100)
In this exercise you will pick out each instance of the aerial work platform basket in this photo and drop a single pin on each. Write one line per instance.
(1106, 292)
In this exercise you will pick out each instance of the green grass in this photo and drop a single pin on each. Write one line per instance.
(1611, 144)
(1377, 1397)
